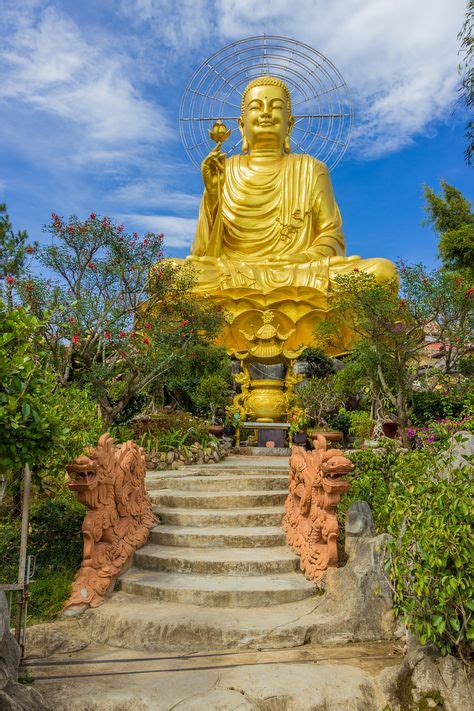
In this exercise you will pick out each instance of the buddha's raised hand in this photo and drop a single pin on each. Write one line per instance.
(212, 170)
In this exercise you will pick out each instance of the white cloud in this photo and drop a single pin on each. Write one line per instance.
(48, 64)
(155, 194)
(399, 58)
(178, 231)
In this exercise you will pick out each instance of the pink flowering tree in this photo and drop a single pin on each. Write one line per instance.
(400, 337)
(118, 316)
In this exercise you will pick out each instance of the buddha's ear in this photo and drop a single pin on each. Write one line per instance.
(240, 123)
(291, 123)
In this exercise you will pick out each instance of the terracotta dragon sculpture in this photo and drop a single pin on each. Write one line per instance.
(315, 489)
(110, 481)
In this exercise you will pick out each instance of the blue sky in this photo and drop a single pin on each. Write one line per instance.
(90, 92)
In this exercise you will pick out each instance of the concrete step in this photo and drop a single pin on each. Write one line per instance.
(136, 622)
(217, 561)
(211, 536)
(257, 516)
(218, 500)
(255, 482)
(217, 590)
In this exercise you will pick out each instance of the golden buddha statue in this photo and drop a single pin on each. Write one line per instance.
(268, 218)
(269, 234)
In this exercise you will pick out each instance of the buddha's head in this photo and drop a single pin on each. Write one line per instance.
(266, 120)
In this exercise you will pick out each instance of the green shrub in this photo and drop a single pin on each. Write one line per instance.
(431, 555)
(55, 541)
(318, 363)
(213, 392)
(430, 405)
(362, 424)
(424, 504)
(341, 422)
(370, 481)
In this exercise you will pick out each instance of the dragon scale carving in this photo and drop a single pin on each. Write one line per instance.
(110, 481)
(315, 489)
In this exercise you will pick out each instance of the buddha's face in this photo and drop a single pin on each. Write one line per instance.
(265, 121)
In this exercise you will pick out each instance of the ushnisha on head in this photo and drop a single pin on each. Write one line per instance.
(266, 120)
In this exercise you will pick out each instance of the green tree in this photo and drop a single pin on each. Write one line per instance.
(466, 89)
(389, 330)
(40, 424)
(14, 252)
(452, 219)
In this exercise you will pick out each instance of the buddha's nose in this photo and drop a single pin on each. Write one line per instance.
(266, 108)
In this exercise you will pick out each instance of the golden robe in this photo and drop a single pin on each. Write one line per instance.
(275, 226)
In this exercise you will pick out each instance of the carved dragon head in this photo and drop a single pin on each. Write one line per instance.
(92, 474)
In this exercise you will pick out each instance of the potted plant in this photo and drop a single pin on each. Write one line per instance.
(298, 419)
(321, 400)
(212, 394)
(362, 424)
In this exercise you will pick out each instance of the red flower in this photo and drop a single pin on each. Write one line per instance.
(459, 281)
(122, 334)
(29, 286)
(71, 319)
(356, 269)
(184, 323)
(469, 293)
(146, 242)
(90, 265)
(10, 280)
(135, 234)
(92, 215)
(107, 335)
(70, 229)
(29, 249)
(75, 339)
(120, 229)
(148, 326)
(146, 341)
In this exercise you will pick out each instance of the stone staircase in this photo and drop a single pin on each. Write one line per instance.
(216, 573)
(220, 543)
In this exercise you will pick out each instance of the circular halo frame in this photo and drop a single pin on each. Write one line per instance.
(317, 89)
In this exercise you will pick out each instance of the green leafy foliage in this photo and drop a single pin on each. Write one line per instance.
(424, 502)
(31, 419)
(117, 317)
(41, 423)
(318, 363)
(362, 424)
(14, 255)
(429, 405)
(389, 331)
(55, 541)
(451, 216)
(321, 400)
(431, 565)
(213, 392)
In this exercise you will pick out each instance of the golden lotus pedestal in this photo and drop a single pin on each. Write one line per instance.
(268, 329)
